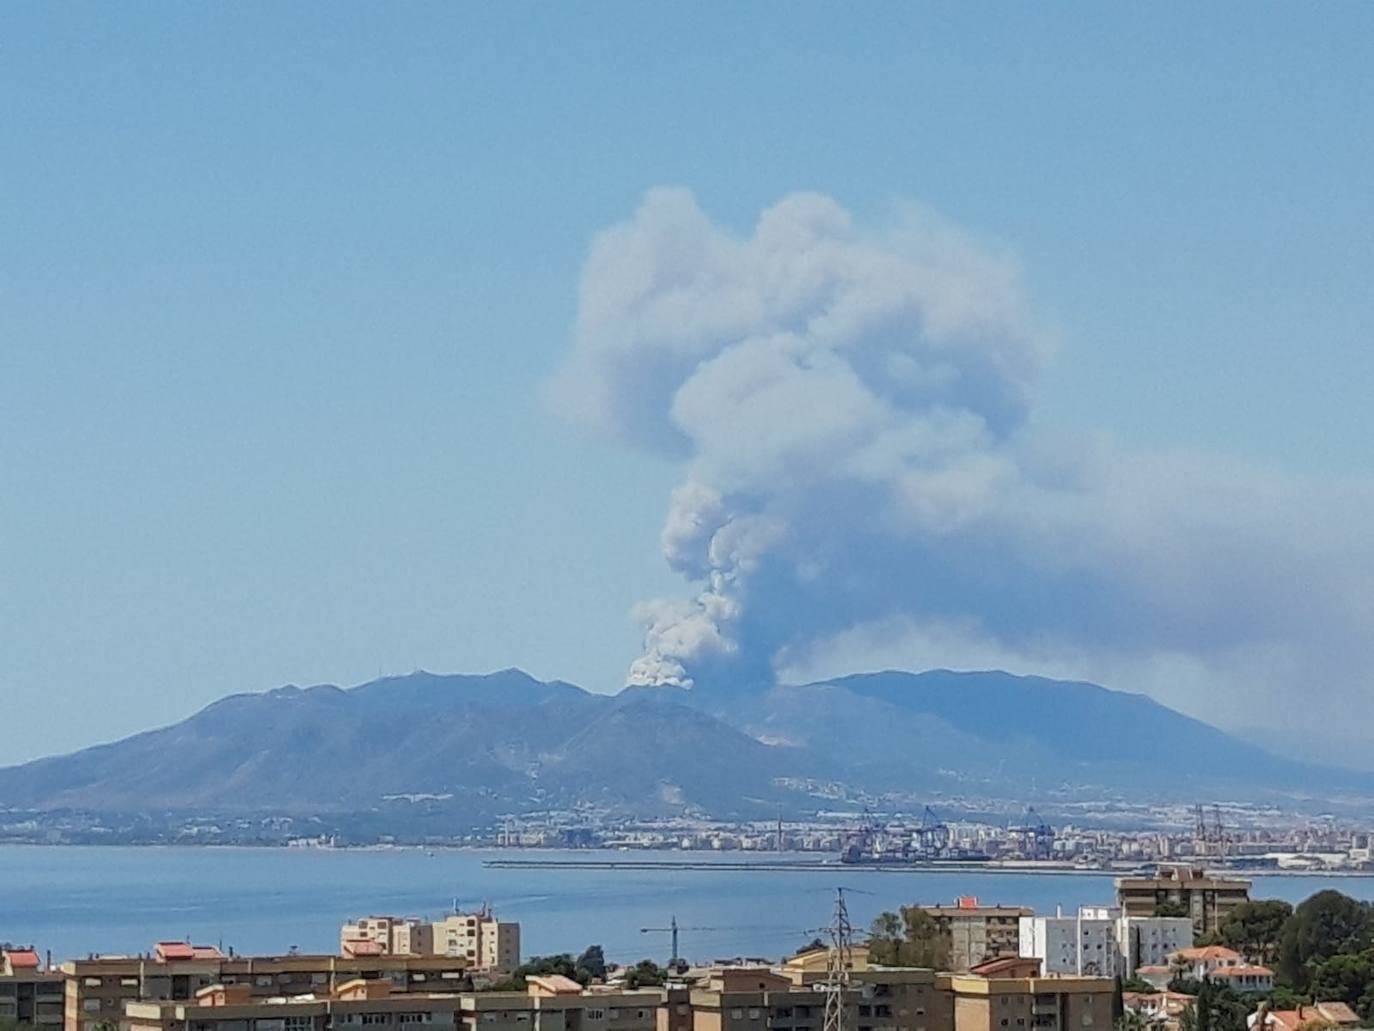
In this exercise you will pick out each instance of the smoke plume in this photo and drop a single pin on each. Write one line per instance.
(863, 483)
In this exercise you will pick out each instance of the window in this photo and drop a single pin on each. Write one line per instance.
(128, 982)
(614, 1013)
(737, 1014)
(91, 1005)
(92, 982)
(596, 1014)
(299, 1024)
(373, 1018)
(263, 981)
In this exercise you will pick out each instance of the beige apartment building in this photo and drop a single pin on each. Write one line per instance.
(978, 933)
(486, 943)
(548, 1004)
(389, 936)
(31, 992)
(1008, 994)
(1205, 898)
(559, 1004)
(97, 989)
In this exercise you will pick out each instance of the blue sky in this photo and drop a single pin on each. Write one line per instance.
(281, 287)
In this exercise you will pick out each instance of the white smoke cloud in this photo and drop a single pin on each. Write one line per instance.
(852, 410)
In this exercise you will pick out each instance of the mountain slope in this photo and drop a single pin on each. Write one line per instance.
(465, 749)
(507, 738)
(1071, 732)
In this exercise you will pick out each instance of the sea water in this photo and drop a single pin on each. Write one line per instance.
(78, 900)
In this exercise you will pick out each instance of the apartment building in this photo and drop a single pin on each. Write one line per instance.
(1102, 941)
(1083, 944)
(1149, 941)
(1009, 994)
(558, 1004)
(98, 988)
(978, 933)
(354, 1004)
(31, 992)
(486, 943)
(1204, 898)
(387, 936)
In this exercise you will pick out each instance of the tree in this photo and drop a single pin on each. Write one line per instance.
(1327, 924)
(1348, 979)
(1173, 909)
(1255, 929)
(1284, 998)
(1202, 1004)
(591, 965)
(646, 974)
(914, 939)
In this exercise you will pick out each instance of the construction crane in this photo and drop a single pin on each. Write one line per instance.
(673, 928)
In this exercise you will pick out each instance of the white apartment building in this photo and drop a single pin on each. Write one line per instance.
(1084, 944)
(1102, 941)
(1149, 941)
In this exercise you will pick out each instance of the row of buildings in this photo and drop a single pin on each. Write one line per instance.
(1153, 919)
(188, 988)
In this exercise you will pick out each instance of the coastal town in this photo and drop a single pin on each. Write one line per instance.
(1184, 949)
(1234, 836)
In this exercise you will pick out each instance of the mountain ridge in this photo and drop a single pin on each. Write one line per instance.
(508, 742)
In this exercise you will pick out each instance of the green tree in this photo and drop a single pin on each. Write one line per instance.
(591, 965)
(646, 974)
(1255, 929)
(1166, 907)
(1327, 924)
(913, 939)
(1202, 1004)
(1284, 998)
(541, 966)
(1346, 978)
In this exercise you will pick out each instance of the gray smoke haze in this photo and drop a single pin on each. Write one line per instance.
(864, 486)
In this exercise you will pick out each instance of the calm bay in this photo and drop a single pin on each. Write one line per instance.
(78, 900)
